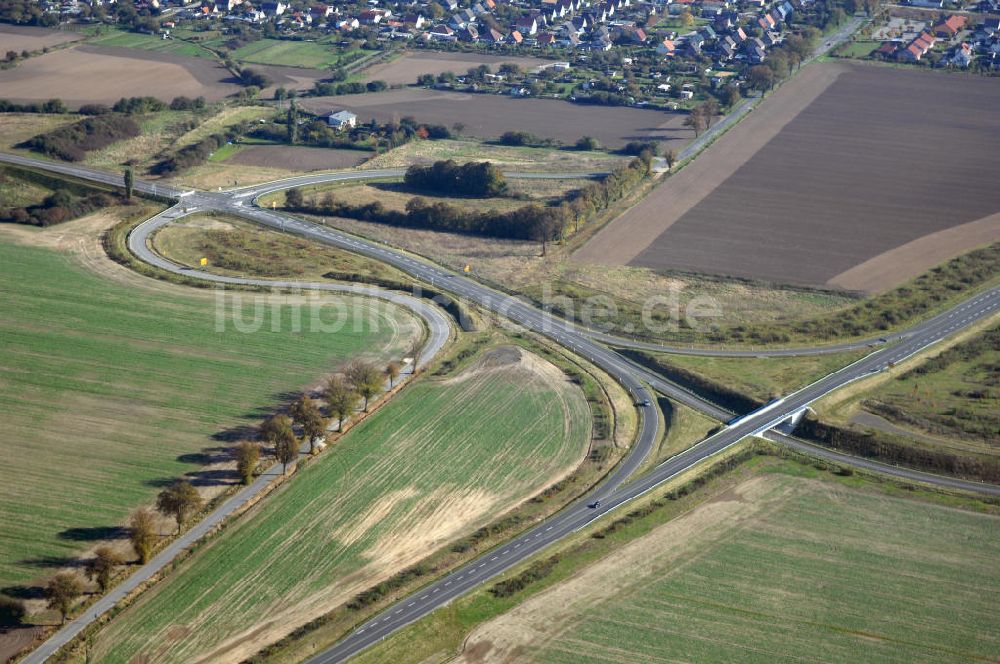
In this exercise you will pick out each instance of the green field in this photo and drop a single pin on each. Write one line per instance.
(764, 378)
(290, 53)
(954, 395)
(107, 390)
(776, 562)
(442, 458)
(811, 572)
(148, 42)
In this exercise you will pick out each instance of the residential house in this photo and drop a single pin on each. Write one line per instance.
(887, 50)
(496, 36)
(766, 22)
(371, 16)
(961, 56)
(342, 119)
(712, 10)
(546, 39)
(469, 34)
(273, 9)
(635, 34)
(415, 21)
(515, 38)
(666, 47)
(441, 32)
(526, 25)
(918, 48)
(950, 27)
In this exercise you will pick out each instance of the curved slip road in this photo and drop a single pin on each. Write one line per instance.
(613, 491)
(234, 200)
(438, 329)
(578, 515)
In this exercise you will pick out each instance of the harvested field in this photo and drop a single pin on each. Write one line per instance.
(488, 116)
(406, 69)
(297, 158)
(23, 37)
(442, 458)
(778, 567)
(879, 159)
(101, 74)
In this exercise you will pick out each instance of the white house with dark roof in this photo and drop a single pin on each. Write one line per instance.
(342, 119)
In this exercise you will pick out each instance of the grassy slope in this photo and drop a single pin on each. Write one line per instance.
(438, 460)
(290, 53)
(104, 389)
(955, 395)
(146, 42)
(234, 246)
(827, 568)
(763, 378)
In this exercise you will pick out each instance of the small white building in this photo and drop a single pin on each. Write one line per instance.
(342, 120)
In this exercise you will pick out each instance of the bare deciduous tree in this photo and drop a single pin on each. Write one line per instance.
(142, 533)
(62, 592)
(102, 566)
(247, 457)
(179, 501)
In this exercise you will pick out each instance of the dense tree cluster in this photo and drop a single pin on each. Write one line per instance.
(60, 206)
(73, 142)
(50, 106)
(138, 105)
(26, 12)
(251, 77)
(196, 153)
(474, 178)
(527, 223)
(541, 223)
(332, 88)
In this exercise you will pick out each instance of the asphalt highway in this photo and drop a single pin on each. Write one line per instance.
(614, 496)
(613, 491)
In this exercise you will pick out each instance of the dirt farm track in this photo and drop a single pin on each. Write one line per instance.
(845, 177)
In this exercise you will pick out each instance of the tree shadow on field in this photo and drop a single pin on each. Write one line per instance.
(24, 592)
(215, 477)
(235, 434)
(162, 482)
(94, 534)
(50, 562)
(658, 134)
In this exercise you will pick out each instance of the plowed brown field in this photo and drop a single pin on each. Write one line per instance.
(879, 159)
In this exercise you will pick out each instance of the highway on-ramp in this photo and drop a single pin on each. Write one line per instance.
(620, 486)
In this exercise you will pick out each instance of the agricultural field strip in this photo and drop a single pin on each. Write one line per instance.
(611, 362)
(446, 456)
(831, 562)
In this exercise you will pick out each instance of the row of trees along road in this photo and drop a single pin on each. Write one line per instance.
(179, 501)
(361, 381)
